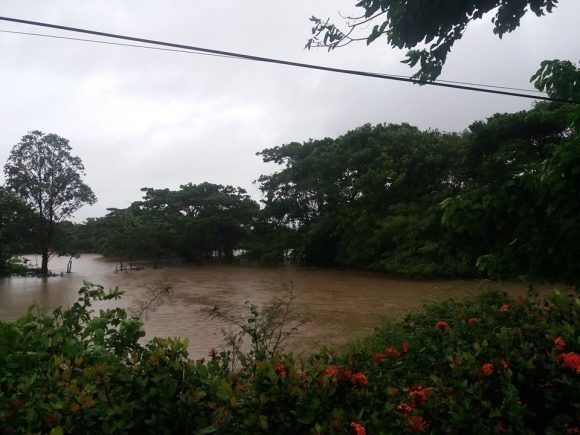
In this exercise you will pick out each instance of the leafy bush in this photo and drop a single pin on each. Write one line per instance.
(485, 365)
(260, 333)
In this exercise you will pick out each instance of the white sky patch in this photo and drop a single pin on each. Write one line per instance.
(147, 118)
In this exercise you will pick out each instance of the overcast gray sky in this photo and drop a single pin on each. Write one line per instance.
(147, 118)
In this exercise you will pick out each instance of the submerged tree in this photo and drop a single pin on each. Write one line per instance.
(46, 177)
(198, 222)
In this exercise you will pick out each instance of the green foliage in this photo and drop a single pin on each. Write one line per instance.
(16, 223)
(260, 333)
(43, 174)
(367, 199)
(195, 223)
(433, 26)
(484, 365)
(559, 79)
(516, 211)
(496, 200)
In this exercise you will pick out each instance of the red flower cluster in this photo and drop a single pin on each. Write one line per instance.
(570, 360)
(416, 423)
(331, 371)
(487, 369)
(357, 429)
(378, 357)
(472, 321)
(419, 394)
(303, 374)
(281, 370)
(405, 409)
(442, 326)
(359, 378)
(504, 308)
(343, 374)
(560, 344)
(392, 353)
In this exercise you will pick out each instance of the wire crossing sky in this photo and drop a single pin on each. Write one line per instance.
(283, 62)
(139, 115)
(96, 41)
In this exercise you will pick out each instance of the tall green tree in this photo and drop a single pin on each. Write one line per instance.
(428, 28)
(45, 176)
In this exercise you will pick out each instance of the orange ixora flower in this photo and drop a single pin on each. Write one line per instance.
(560, 343)
(472, 321)
(419, 394)
(331, 371)
(378, 357)
(359, 378)
(442, 326)
(504, 308)
(416, 423)
(281, 370)
(392, 353)
(405, 409)
(487, 369)
(570, 360)
(357, 429)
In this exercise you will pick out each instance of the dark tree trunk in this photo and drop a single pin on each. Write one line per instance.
(44, 265)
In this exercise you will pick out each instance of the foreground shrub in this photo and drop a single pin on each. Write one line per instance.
(487, 365)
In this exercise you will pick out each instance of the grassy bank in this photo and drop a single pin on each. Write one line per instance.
(485, 365)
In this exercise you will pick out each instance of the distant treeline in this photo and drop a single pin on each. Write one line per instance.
(499, 200)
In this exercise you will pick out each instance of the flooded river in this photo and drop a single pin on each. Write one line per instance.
(340, 305)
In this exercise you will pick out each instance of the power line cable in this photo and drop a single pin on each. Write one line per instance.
(283, 62)
(96, 41)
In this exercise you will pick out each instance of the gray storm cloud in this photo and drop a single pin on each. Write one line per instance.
(149, 118)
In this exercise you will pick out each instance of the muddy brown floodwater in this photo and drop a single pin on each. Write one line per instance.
(340, 305)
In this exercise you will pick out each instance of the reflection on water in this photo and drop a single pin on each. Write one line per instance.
(339, 304)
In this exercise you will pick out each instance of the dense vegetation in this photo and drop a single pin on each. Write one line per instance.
(498, 200)
(487, 365)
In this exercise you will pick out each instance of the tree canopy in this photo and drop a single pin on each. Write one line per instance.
(428, 28)
(44, 175)
(196, 222)
(496, 200)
